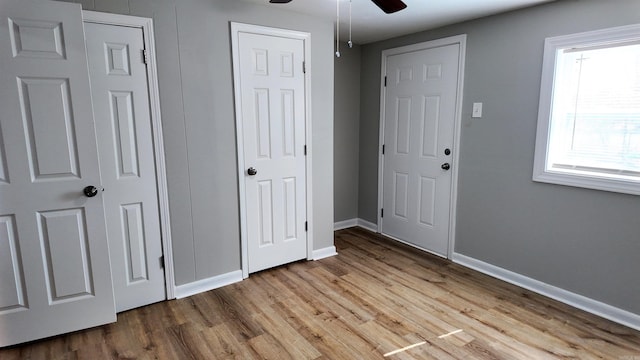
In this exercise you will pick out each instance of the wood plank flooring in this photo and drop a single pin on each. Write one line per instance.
(376, 297)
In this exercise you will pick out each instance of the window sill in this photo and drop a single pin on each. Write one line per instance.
(588, 182)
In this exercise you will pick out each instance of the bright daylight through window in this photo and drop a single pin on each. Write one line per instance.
(589, 115)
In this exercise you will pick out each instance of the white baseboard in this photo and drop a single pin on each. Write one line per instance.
(345, 224)
(355, 222)
(578, 301)
(367, 225)
(211, 283)
(324, 253)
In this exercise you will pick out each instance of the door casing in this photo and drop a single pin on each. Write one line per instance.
(462, 41)
(146, 25)
(269, 31)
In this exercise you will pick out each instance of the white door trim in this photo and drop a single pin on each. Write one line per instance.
(146, 25)
(236, 28)
(462, 41)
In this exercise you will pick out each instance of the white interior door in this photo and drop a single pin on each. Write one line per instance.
(273, 127)
(419, 119)
(54, 263)
(125, 146)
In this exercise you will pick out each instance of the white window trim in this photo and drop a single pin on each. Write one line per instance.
(552, 45)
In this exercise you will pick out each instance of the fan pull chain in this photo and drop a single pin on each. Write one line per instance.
(350, 43)
(337, 28)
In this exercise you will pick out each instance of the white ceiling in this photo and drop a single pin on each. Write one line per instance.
(372, 24)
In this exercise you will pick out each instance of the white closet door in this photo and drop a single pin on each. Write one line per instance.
(125, 146)
(273, 123)
(54, 259)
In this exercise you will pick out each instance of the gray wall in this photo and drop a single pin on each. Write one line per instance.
(196, 94)
(584, 241)
(346, 133)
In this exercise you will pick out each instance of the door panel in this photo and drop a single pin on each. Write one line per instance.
(13, 292)
(125, 146)
(264, 207)
(36, 38)
(427, 199)
(430, 126)
(123, 125)
(273, 123)
(263, 123)
(64, 242)
(134, 243)
(401, 196)
(420, 100)
(4, 176)
(55, 272)
(290, 200)
(403, 125)
(47, 118)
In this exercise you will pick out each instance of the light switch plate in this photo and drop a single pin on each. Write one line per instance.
(477, 110)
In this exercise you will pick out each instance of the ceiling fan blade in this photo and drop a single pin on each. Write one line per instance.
(279, 1)
(390, 6)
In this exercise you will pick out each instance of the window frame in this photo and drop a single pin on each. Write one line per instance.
(552, 48)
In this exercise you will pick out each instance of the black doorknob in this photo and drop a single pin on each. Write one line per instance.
(445, 166)
(252, 171)
(90, 191)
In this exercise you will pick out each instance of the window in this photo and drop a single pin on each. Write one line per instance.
(589, 114)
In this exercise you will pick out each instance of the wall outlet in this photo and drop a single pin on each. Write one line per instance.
(477, 110)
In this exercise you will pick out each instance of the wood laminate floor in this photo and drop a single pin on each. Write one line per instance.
(375, 298)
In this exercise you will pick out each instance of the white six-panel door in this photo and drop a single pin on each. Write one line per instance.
(273, 129)
(54, 262)
(419, 119)
(120, 95)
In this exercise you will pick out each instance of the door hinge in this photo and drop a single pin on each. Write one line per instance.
(306, 226)
(161, 260)
(304, 67)
(385, 81)
(305, 150)
(145, 56)
(381, 213)
(382, 149)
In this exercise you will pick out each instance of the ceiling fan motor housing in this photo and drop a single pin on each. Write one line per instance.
(388, 6)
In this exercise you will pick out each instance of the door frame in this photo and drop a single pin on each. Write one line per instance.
(146, 25)
(237, 28)
(462, 41)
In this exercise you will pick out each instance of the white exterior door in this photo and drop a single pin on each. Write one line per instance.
(54, 262)
(125, 146)
(419, 117)
(273, 135)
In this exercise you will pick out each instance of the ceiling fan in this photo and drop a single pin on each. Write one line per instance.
(388, 6)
